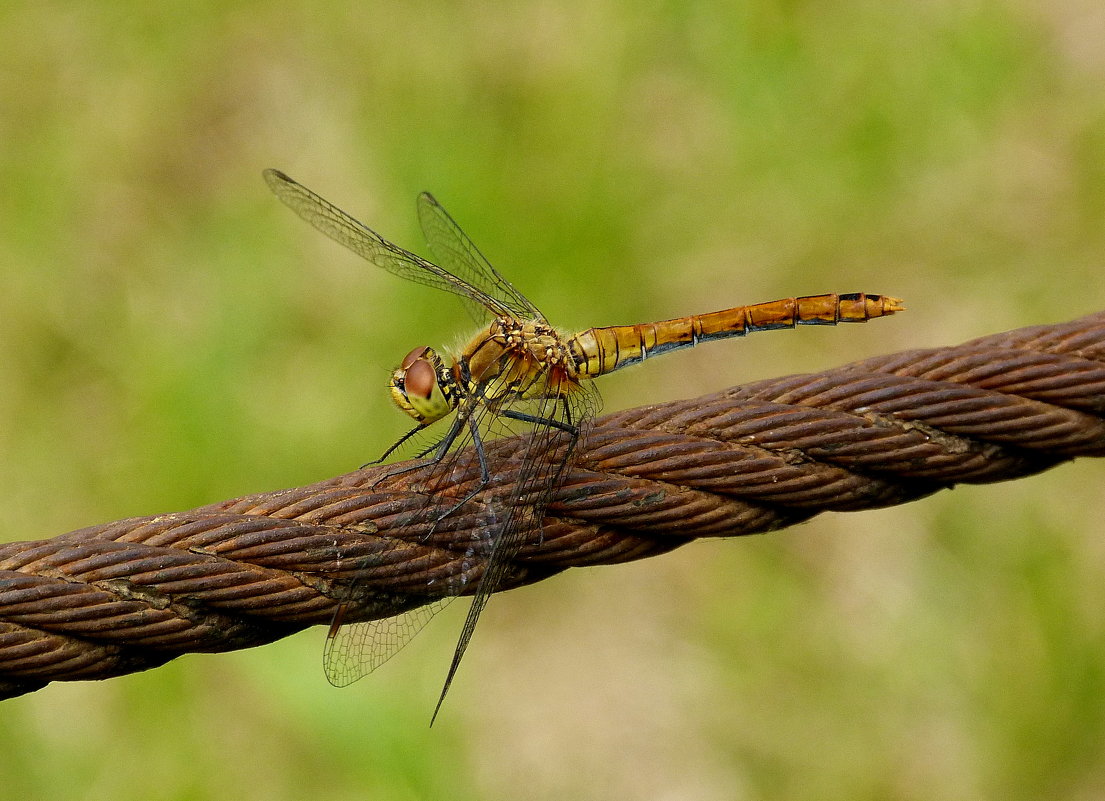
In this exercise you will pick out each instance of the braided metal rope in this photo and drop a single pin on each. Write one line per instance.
(133, 594)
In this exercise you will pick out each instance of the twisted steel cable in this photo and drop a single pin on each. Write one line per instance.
(132, 594)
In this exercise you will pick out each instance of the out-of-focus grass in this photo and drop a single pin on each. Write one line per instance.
(170, 335)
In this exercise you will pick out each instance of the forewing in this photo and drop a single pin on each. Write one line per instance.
(458, 254)
(368, 244)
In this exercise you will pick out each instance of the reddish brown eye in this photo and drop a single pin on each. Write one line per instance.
(420, 379)
(412, 357)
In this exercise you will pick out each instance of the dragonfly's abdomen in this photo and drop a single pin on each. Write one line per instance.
(598, 351)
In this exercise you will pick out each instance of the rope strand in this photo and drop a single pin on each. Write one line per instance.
(132, 594)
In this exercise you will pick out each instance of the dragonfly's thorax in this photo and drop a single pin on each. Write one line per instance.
(516, 359)
(424, 386)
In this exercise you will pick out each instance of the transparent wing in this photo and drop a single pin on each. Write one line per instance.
(353, 650)
(424, 577)
(368, 244)
(460, 256)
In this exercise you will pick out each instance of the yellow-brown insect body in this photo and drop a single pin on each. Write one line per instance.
(516, 360)
(598, 351)
(509, 360)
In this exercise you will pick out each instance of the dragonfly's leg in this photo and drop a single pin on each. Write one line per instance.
(439, 451)
(477, 442)
(447, 441)
(441, 448)
(567, 428)
(565, 425)
(485, 472)
(394, 447)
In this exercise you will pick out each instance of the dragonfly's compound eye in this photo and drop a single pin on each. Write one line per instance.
(419, 386)
(413, 356)
(419, 379)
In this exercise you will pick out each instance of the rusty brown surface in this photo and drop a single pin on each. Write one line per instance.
(132, 594)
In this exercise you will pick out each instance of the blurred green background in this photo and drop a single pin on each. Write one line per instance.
(170, 335)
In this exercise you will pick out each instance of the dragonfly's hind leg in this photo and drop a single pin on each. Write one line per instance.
(567, 428)
(566, 425)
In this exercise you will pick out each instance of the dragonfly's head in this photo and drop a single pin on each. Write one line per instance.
(423, 386)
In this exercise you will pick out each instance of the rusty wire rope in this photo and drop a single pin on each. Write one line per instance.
(132, 594)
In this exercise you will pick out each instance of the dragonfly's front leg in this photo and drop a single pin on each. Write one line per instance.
(396, 447)
(441, 447)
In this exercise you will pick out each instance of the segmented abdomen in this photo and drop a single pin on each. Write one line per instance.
(598, 351)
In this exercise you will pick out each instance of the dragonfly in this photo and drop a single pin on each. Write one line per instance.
(517, 374)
